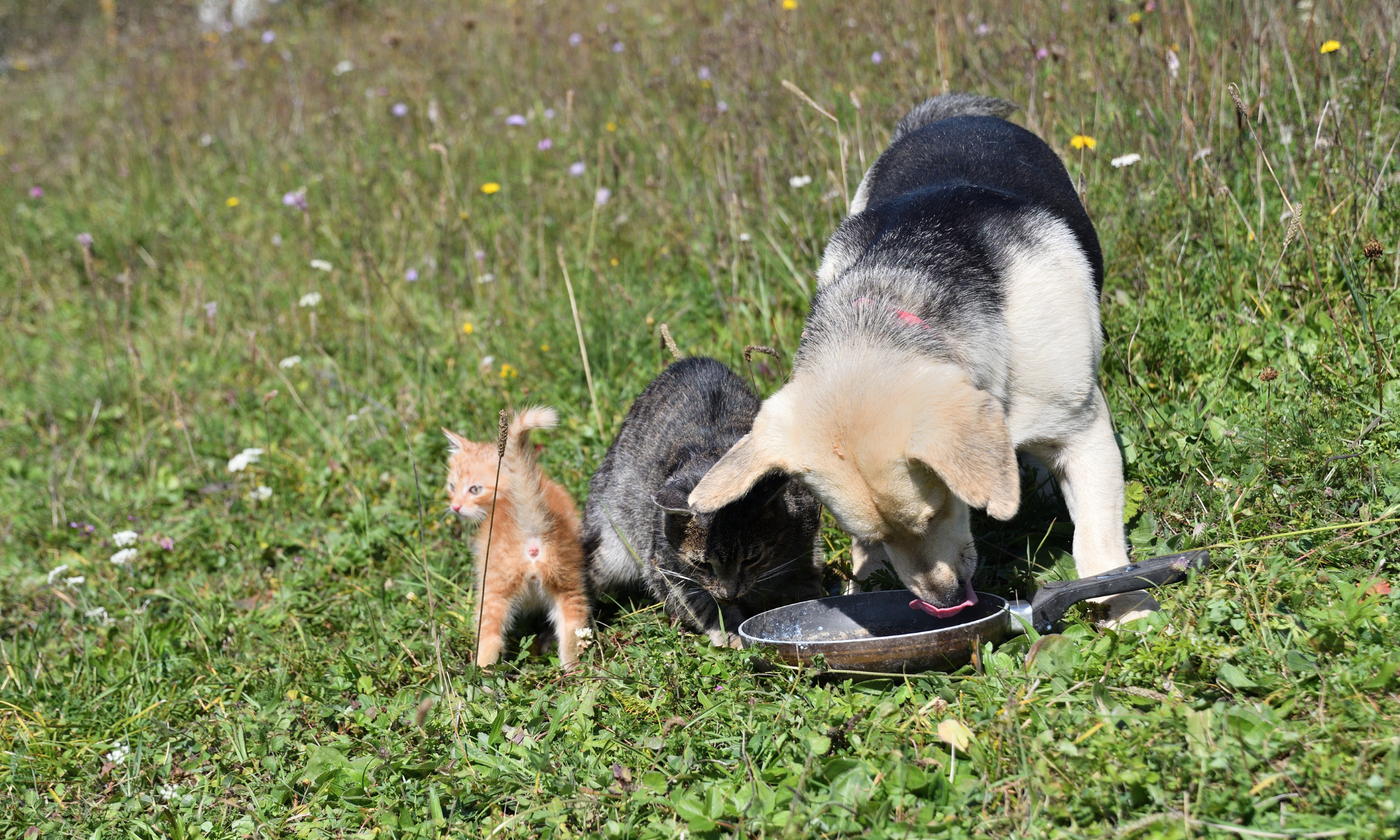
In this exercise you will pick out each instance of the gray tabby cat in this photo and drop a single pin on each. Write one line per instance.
(711, 571)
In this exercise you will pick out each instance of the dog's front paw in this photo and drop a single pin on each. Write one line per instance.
(719, 638)
(1117, 610)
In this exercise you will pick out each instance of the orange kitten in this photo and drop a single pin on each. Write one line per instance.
(535, 561)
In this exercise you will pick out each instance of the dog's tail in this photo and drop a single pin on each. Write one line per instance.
(937, 108)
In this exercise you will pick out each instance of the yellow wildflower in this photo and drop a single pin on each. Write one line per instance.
(508, 371)
(789, 4)
(231, 201)
(463, 215)
(490, 187)
(1135, 18)
(544, 348)
(468, 328)
(1083, 141)
(613, 261)
(611, 126)
(1330, 46)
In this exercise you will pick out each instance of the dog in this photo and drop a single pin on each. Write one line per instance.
(955, 323)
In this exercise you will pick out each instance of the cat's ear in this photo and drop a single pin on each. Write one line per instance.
(966, 442)
(757, 454)
(455, 442)
(672, 497)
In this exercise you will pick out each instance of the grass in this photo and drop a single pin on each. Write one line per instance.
(300, 666)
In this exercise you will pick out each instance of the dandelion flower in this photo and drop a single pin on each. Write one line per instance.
(1126, 160)
(515, 119)
(601, 196)
(468, 328)
(309, 300)
(799, 181)
(490, 187)
(577, 168)
(122, 539)
(411, 275)
(262, 494)
(322, 265)
(289, 362)
(399, 109)
(231, 201)
(126, 555)
(343, 67)
(545, 145)
(1330, 46)
(611, 126)
(240, 462)
(575, 39)
(56, 573)
(508, 370)
(1135, 18)
(1083, 141)
(789, 5)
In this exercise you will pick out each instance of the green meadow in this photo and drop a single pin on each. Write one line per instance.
(331, 233)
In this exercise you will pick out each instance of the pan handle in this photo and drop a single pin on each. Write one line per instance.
(1052, 599)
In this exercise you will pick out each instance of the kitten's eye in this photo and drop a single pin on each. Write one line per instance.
(451, 488)
(475, 489)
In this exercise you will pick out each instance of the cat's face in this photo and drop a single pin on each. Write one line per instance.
(471, 477)
(745, 544)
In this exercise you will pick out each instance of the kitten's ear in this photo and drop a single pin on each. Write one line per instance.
(757, 454)
(455, 442)
(672, 497)
(966, 442)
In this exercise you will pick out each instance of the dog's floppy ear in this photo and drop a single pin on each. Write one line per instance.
(752, 457)
(965, 441)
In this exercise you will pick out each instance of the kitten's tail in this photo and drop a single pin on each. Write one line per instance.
(535, 417)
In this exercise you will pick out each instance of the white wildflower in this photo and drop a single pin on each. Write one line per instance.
(119, 752)
(601, 197)
(309, 299)
(169, 791)
(126, 555)
(487, 364)
(262, 494)
(122, 539)
(99, 614)
(343, 67)
(54, 574)
(1173, 63)
(289, 362)
(799, 181)
(79, 580)
(322, 265)
(486, 278)
(1201, 155)
(1126, 160)
(744, 237)
(583, 633)
(351, 418)
(240, 462)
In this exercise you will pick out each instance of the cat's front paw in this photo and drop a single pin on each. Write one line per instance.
(720, 638)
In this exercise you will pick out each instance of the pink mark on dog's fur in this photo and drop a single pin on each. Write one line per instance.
(532, 548)
(907, 317)
(945, 612)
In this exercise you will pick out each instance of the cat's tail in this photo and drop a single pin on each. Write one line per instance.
(535, 417)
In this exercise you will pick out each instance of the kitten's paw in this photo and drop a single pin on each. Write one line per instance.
(719, 638)
(1125, 607)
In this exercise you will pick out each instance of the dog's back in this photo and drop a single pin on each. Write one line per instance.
(954, 157)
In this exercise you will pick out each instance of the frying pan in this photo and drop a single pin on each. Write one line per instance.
(880, 632)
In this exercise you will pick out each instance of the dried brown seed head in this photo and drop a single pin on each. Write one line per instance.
(502, 431)
(1372, 250)
(1268, 375)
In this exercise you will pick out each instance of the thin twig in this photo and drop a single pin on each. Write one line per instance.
(582, 348)
(502, 431)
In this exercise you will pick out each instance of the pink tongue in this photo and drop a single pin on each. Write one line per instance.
(945, 612)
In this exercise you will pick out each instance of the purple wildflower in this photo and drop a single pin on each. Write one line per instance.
(269, 36)
(36, 192)
(210, 308)
(85, 240)
(480, 256)
(295, 199)
(1042, 54)
(876, 57)
(399, 109)
(617, 47)
(166, 543)
(601, 197)
(704, 74)
(549, 113)
(722, 106)
(575, 39)
(983, 29)
(577, 168)
(411, 275)
(515, 119)
(545, 145)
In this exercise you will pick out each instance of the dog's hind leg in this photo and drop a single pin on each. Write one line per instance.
(1089, 468)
